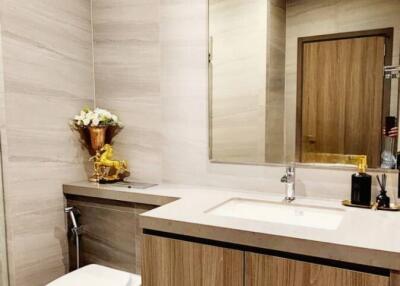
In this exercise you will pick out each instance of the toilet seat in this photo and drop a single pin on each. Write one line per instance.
(97, 275)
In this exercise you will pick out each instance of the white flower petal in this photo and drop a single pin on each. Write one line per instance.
(86, 121)
(95, 122)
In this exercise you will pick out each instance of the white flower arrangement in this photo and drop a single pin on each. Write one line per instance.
(97, 117)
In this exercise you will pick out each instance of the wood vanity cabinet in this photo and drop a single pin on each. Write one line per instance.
(264, 270)
(170, 262)
(174, 262)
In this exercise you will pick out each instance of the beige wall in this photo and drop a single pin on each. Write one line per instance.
(3, 246)
(47, 76)
(127, 64)
(314, 17)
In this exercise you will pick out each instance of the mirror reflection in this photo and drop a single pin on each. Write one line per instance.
(304, 80)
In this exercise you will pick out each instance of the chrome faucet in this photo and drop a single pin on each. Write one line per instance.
(289, 180)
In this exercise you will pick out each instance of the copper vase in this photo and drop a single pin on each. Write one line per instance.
(93, 138)
(97, 137)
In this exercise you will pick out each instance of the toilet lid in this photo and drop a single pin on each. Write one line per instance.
(97, 275)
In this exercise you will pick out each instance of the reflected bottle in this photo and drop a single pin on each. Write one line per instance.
(388, 160)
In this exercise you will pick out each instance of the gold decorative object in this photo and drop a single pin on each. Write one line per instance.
(97, 129)
(86, 136)
(97, 137)
(393, 208)
(348, 203)
(106, 169)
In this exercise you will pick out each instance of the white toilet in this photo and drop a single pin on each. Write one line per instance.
(97, 275)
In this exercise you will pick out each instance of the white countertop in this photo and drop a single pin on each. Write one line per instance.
(363, 236)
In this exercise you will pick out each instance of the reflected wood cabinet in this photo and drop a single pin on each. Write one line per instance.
(172, 262)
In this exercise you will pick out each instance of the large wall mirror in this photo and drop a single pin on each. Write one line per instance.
(308, 81)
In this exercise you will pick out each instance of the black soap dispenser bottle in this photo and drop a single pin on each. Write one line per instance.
(361, 184)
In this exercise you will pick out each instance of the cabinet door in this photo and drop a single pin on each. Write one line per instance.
(264, 270)
(170, 262)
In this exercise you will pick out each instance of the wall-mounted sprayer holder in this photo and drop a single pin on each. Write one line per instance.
(76, 230)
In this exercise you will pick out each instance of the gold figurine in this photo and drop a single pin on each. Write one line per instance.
(106, 169)
(97, 128)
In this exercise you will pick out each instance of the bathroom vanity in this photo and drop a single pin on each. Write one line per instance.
(180, 261)
(190, 237)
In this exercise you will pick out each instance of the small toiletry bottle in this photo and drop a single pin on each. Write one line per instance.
(361, 184)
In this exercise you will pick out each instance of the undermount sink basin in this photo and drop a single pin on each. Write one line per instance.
(282, 213)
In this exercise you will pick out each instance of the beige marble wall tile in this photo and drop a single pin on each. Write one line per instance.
(3, 246)
(47, 76)
(127, 62)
